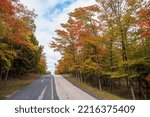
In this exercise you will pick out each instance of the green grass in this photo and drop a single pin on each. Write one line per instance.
(13, 85)
(94, 91)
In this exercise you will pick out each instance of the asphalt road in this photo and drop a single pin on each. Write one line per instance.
(41, 89)
(50, 87)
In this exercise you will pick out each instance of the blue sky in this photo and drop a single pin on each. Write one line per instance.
(50, 14)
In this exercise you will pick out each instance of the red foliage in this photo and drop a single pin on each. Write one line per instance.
(16, 20)
(144, 22)
(148, 77)
(6, 6)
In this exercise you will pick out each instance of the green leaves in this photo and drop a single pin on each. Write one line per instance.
(6, 56)
(19, 49)
(107, 44)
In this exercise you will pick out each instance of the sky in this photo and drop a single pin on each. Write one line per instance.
(51, 13)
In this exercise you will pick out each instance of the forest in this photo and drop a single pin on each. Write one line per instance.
(107, 45)
(20, 52)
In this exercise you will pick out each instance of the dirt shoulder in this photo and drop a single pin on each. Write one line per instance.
(91, 90)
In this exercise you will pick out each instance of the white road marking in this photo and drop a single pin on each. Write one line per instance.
(8, 96)
(42, 80)
(52, 93)
(42, 94)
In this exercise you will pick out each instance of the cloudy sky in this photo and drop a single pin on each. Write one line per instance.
(50, 14)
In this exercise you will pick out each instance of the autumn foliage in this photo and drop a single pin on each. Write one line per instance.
(108, 46)
(19, 50)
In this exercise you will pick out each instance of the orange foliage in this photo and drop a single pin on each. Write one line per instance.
(144, 22)
(16, 20)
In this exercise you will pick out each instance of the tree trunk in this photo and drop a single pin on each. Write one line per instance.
(76, 74)
(124, 54)
(0, 72)
(110, 88)
(127, 83)
(132, 90)
(0, 77)
(132, 93)
(111, 53)
(85, 80)
(6, 77)
(100, 85)
(81, 79)
(142, 92)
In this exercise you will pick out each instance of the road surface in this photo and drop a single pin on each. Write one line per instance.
(41, 89)
(48, 87)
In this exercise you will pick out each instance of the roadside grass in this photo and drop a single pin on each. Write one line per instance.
(94, 91)
(14, 85)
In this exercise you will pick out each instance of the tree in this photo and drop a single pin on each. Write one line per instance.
(42, 64)
(19, 49)
(107, 44)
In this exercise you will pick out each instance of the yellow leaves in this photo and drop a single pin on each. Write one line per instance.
(131, 2)
(17, 25)
(18, 45)
(118, 75)
(99, 37)
(85, 13)
(93, 8)
(79, 13)
(2, 29)
(6, 56)
(79, 36)
(61, 33)
(31, 46)
(89, 66)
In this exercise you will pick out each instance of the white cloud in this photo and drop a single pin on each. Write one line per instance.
(47, 23)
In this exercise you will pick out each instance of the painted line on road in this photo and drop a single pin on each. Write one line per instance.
(42, 94)
(52, 93)
(42, 80)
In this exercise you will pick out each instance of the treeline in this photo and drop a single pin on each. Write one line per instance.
(108, 46)
(20, 52)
